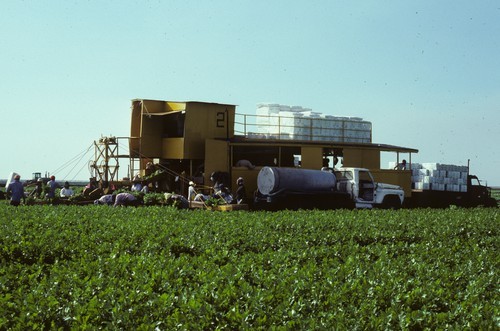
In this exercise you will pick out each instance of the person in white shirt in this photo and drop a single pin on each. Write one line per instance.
(107, 199)
(191, 191)
(66, 191)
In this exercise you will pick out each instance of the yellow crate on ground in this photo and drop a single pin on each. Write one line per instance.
(232, 207)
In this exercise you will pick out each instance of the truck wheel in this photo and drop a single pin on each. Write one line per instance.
(491, 202)
(391, 202)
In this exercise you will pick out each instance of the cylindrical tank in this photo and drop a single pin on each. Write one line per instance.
(272, 180)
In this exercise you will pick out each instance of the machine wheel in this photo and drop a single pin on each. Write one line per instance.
(391, 202)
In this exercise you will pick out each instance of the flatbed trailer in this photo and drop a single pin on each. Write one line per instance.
(477, 195)
(437, 199)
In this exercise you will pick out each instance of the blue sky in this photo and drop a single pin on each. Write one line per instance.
(426, 73)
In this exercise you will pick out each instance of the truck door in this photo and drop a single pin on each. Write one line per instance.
(365, 188)
(476, 192)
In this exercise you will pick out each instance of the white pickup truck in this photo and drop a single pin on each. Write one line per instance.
(366, 193)
(295, 188)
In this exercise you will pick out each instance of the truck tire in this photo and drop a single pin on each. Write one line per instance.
(391, 202)
(491, 202)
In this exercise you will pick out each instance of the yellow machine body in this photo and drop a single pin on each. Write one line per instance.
(188, 136)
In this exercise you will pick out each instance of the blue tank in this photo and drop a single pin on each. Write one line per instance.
(273, 180)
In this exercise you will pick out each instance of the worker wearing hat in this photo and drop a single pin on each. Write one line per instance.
(38, 190)
(16, 190)
(241, 194)
(66, 191)
(52, 187)
(191, 191)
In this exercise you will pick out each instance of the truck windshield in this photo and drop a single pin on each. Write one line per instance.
(475, 181)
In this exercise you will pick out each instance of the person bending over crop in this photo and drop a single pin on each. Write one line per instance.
(126, 199)
(176, 200)
(107, 199)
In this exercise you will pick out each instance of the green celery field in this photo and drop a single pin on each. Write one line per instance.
(159, 268)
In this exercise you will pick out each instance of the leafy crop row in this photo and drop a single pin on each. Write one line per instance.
(161, 268)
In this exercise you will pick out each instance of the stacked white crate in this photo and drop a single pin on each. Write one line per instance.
(365, 131)
(312, 125)
(350, 130)
(290, 121)
(267, 118)
(331, 128)
(302, 129)
(438, 177)
(296, 122)
(358, 130)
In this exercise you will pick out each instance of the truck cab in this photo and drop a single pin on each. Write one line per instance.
(365, 192)
(478, 194)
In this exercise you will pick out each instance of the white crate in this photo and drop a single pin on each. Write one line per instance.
(417, 178)
(423, 172)
(430, 166)
(438, 187)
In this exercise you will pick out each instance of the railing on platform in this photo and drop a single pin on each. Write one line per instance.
(338, 129)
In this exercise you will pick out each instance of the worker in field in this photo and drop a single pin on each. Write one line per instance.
(150, 169)
(137, 185)
(52, 184)
(126, 199)
(220, 179)
(38, 190)
(16, 190)
(223, 193)
(145, 187)
(176, 200)
(107, 199)
(401, 166)
(241, 195)
(92, 185)
(93, 189)
(191, 191)
(66, 191)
